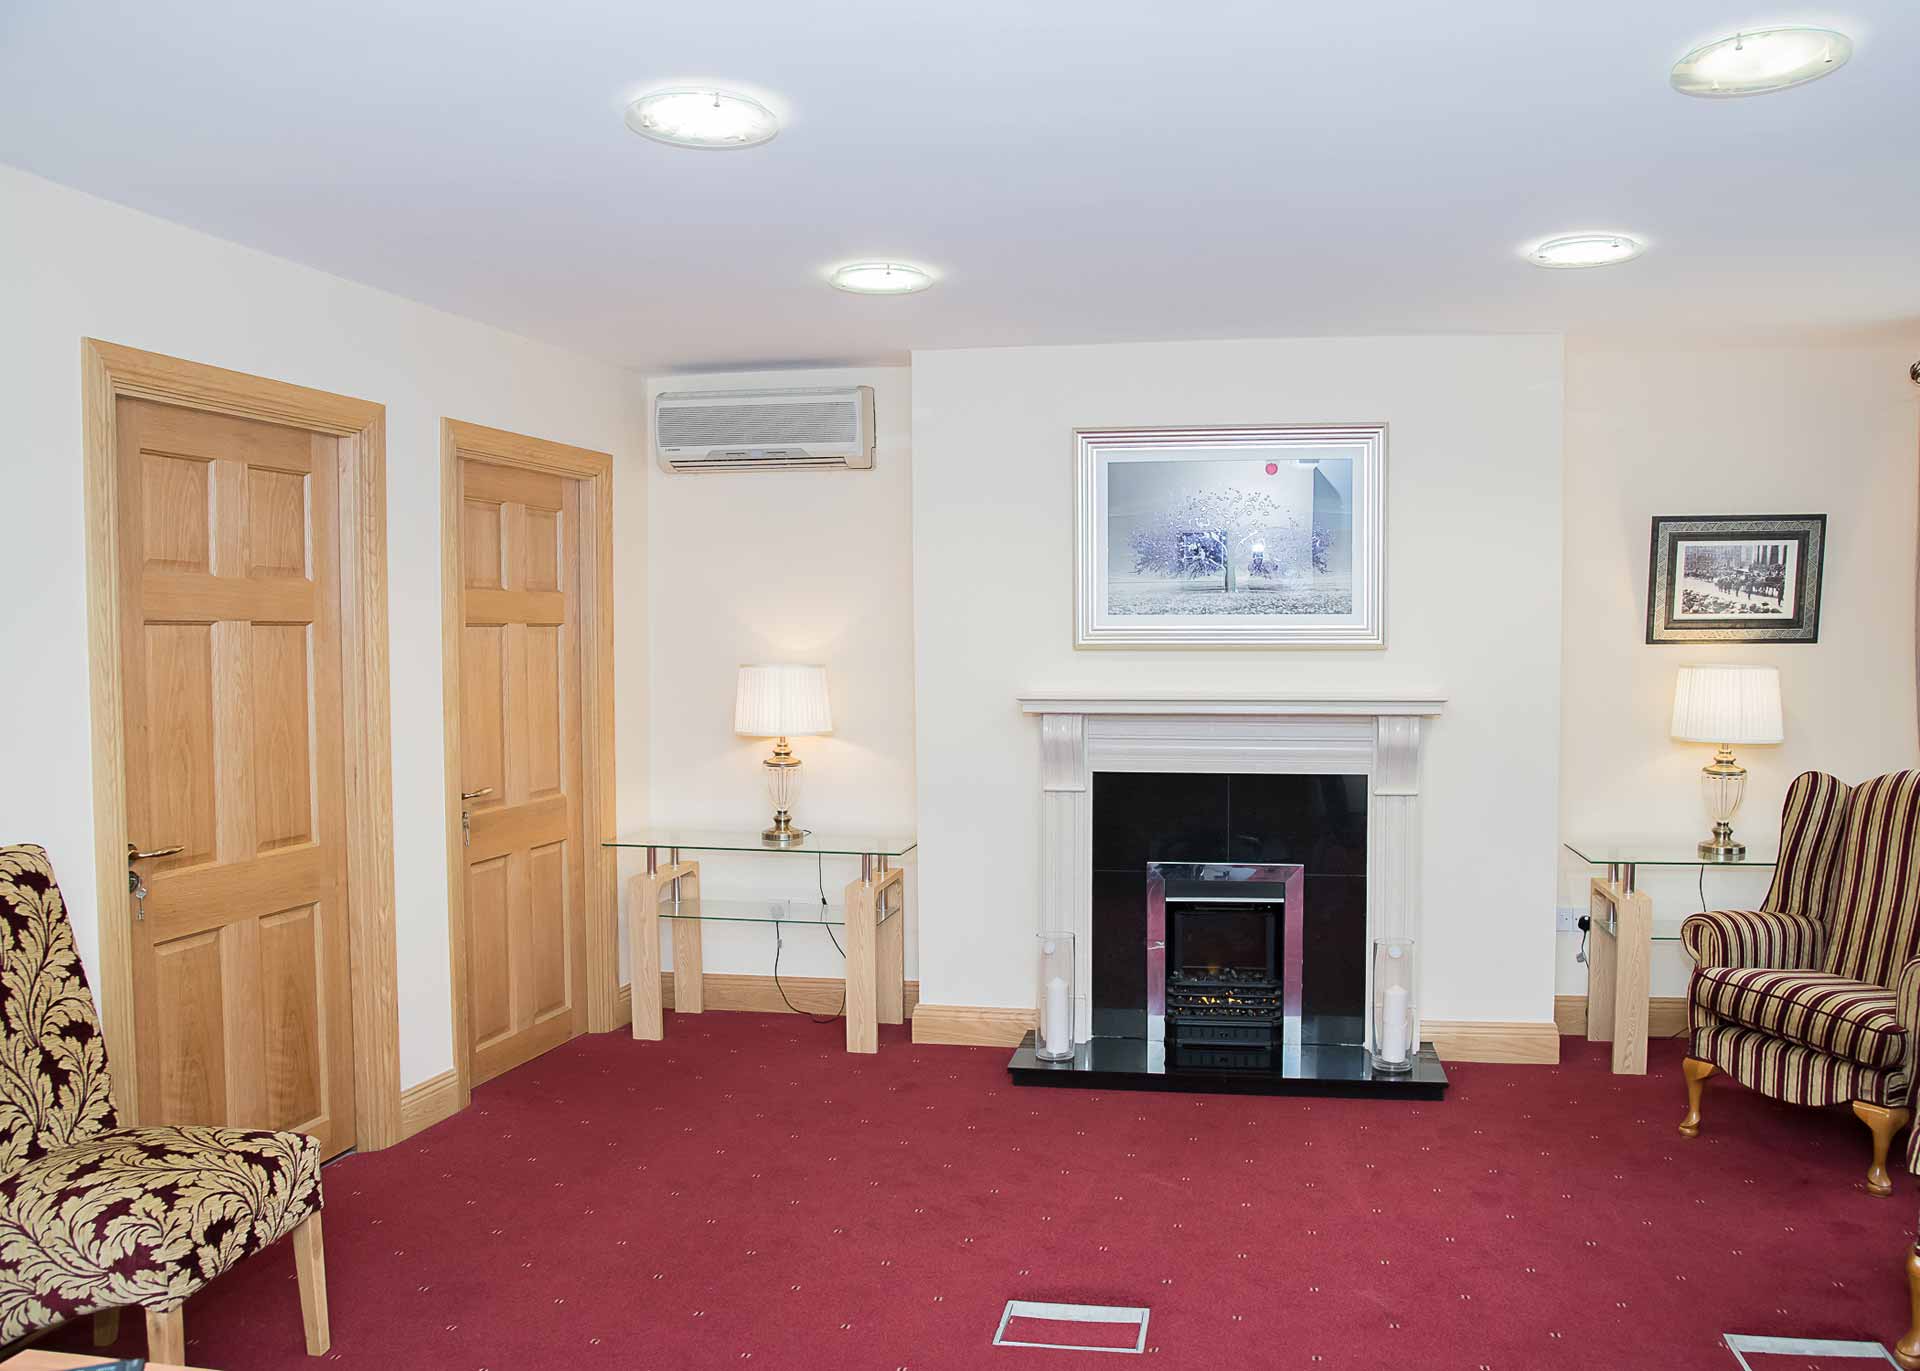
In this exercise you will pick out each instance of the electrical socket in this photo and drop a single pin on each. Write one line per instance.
(1566, 916)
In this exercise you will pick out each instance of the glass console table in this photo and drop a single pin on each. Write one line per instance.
(873, 917)
(1623, 930)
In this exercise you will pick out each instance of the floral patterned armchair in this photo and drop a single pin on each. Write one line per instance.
(93, 1217)
(1814, 998)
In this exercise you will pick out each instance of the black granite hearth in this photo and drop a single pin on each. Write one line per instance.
(1135, 1064)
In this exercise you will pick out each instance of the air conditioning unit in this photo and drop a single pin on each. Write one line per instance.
(764, 430)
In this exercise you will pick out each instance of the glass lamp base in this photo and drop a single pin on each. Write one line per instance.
(1723, 783)
(783, 769)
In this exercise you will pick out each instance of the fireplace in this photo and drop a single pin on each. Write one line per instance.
(1224, 961)
(1225, 864)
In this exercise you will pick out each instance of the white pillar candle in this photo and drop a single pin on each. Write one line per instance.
(1058, 1030)
(1394, 1026)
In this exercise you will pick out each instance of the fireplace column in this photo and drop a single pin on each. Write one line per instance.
(1393, 840)
(1066, 835)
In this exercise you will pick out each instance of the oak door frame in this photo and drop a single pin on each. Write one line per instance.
(110, 372)
(594, 471)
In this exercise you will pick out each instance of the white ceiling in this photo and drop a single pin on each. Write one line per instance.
(1078, 170)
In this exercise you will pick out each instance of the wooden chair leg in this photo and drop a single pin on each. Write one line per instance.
(1907, 1350)
(1883, 1123)
(106, 1327)
(1696, 1072)
(167, 1337)
(310, 1264)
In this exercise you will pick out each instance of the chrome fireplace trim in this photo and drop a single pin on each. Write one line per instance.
(1290, 878)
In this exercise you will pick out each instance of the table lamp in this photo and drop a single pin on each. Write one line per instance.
(1725, 705)
(782, 702)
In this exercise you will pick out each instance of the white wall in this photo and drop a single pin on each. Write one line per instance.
(1659, 428)
(72, 266)
(1473, 609)
(783, 566)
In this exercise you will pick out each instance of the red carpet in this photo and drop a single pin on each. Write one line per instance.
(746, 1194)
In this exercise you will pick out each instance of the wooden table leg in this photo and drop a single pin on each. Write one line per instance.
(689, 966)
(1618, 967)
(890, 949)
(1601, 951)
(643, 928)
(863, 1034)
(1633, 949)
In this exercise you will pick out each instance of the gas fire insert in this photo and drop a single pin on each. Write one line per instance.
(1224, 959)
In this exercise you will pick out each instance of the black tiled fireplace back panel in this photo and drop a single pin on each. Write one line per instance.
(1317, 821)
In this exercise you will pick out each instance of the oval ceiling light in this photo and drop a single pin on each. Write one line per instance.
(1585, 250)
(881, 278)
(715, 120)
(1761, 60)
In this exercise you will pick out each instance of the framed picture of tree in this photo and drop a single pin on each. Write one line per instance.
(1230, 537)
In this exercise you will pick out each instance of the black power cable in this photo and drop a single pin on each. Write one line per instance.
(779, 941)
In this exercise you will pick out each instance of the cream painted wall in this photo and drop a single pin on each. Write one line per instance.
(72, 266)
(795, 566)
(1473, 610)
(1657, 428)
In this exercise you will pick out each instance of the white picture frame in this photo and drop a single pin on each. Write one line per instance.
(1266, 536)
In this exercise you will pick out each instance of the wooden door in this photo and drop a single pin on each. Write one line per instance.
(230, 656)
(520, 744)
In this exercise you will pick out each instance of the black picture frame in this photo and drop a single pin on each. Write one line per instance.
(1764, 588)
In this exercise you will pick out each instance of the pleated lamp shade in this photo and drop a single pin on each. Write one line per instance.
(782, 702)
(1727, 704)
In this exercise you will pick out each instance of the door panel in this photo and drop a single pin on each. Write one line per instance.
(546, 747)
(293, 972)
(179, 744)
(282, 729)
(546, 927)
(230, 611)
(520, 741)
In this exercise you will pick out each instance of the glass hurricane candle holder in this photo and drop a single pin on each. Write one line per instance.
(1053, 1023)
(1394, 1020)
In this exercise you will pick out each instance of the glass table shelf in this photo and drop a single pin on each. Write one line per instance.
(1624, 854)
(771, 910)
(825, 842)
(1664, 852)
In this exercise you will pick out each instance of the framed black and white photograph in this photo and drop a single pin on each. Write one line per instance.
(1230, 537)
(1735, 579)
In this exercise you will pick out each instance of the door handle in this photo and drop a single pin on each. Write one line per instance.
(134, 854)
(466, 819)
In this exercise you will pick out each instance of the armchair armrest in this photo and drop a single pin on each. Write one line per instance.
(1753, 938)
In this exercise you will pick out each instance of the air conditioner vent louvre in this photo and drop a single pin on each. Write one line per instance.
(751, 430)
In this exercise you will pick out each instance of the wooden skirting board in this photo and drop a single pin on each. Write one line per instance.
(1666, 1015)
(759, 995)
(988, 1026)
(1524, 1043)
(426, 1104)
(962, 1025)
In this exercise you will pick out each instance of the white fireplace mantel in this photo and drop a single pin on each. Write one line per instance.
(1375, 734)
(1262, 704)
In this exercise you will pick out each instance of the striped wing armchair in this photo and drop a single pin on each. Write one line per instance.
(1814, 997)
(1907, 1351)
